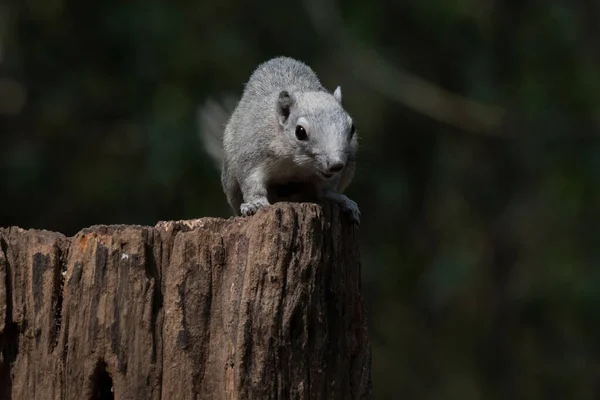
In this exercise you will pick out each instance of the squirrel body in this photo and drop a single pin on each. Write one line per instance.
(288, 139)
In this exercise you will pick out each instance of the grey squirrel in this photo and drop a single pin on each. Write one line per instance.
(288, 139)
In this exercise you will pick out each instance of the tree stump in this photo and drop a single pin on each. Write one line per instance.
(266, 307)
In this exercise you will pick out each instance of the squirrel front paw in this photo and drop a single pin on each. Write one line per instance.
(350, 207)
(251, 207)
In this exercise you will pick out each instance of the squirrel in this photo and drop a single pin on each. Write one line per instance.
(287, 139)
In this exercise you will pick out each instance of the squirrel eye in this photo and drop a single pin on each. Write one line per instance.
(301, 133)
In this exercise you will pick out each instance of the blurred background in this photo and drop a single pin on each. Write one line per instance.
(478, 174)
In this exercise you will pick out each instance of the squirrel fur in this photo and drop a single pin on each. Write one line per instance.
(287, 139)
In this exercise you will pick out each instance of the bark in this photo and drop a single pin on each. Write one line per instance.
(267, 307)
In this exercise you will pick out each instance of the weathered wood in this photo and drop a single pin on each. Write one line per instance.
(244, 308)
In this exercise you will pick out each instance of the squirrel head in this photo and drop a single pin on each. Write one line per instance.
(317, 130)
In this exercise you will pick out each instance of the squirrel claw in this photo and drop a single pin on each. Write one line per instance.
(346, 205)
(350, 207)
(353, 211)
(252, 207)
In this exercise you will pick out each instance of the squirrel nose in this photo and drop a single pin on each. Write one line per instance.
(336, 166)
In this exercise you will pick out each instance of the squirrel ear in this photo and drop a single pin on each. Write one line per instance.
(338, 94)
(285, 102)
